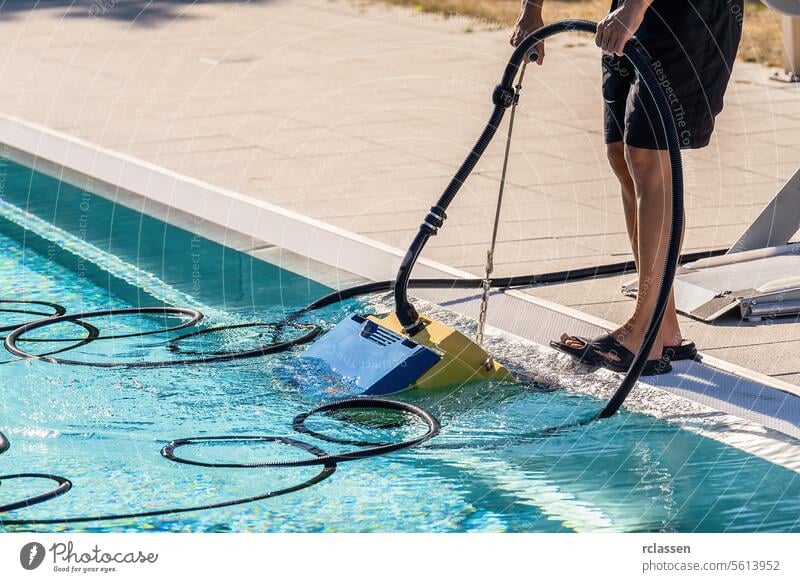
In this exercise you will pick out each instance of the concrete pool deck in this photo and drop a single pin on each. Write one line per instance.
(358, 116)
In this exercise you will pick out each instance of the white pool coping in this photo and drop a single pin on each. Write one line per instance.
(254, 225)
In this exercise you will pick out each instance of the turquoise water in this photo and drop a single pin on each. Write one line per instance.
(487, 471)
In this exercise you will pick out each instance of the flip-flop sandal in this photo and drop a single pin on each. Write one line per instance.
(685, 351)
(626, 357)
(587, 353)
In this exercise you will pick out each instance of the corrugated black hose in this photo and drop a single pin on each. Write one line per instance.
(503, 98)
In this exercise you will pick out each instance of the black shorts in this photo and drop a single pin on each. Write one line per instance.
(693, 45)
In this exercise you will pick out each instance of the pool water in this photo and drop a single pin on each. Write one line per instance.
(489, 470)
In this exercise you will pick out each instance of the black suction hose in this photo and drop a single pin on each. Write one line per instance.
(406, 312)
(503, 97)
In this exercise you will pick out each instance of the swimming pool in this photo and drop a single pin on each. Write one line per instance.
(489, 470)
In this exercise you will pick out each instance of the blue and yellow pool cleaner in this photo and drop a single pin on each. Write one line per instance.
(382, 358)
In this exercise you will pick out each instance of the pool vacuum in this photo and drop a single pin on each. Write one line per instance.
(408, 350)
(382, 357)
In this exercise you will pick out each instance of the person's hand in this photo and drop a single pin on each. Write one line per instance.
(528, 21)
(616, 29)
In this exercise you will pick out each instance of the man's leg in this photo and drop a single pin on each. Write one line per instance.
(652, 180)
